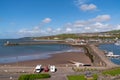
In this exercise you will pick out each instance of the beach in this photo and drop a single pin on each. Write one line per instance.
(45, 54)
(61, 61)
(56, 59)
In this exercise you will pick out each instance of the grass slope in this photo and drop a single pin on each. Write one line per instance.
(112, 72)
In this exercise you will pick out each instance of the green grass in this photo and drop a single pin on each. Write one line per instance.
(112, 72)
(33, 76)
(82, 77)
(95, 76)
(76, 77)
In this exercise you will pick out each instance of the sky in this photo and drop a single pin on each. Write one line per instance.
(32, 18)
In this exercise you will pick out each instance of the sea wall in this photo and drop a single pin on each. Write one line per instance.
(99, 57)
(34, 43)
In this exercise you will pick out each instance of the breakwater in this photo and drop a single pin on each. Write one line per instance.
(33, 43)
(100, 59)
(97, 56)
(87, 51)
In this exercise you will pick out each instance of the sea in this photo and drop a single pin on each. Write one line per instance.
(10, 54)
(111, 48)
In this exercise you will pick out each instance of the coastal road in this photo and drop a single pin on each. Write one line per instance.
(12, 73)
(9, 76)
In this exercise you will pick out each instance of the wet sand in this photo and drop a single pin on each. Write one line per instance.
(56, 59)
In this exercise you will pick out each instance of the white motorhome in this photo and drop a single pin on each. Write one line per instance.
(52, 68)
(38, 68)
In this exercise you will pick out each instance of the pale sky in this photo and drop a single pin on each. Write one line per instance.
(26, 18)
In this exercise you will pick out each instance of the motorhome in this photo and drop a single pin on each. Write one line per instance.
(38, 68)
(52, 68)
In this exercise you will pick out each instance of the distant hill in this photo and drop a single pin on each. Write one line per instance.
(26, 38)
(76, 35)
(114, 31)
(59, 36)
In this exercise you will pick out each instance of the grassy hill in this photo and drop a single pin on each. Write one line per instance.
(113, 33)
(59, 37)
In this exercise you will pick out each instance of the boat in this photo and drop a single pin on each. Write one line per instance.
(112, 55)
(77, 64)
(7, 43)
(117, 43)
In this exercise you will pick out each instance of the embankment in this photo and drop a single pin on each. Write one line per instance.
(99, 58)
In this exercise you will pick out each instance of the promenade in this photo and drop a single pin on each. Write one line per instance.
(13, 73)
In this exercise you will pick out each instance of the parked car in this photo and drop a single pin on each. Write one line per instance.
(38, 68)
(46, 69)
(52, 68)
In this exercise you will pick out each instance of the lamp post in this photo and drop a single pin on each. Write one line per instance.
(16, 60)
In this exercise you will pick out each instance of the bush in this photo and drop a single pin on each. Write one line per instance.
(76, 77)
(95, 76)
(112, 72)
(33, 76)
(82, 77)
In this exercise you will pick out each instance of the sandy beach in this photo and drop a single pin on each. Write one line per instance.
(56, 59)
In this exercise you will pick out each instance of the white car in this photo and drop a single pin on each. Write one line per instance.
(38, 68)
(52, 68)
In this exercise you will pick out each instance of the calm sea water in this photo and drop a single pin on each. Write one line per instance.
(114, 48)
(10, 54)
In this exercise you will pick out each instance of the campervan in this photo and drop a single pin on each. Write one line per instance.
(52, 68)
(38, 68)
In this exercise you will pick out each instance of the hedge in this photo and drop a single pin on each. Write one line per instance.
(76, 77)
(33, 76)
(112, 72)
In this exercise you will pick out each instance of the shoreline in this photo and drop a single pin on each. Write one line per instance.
(55, 59)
